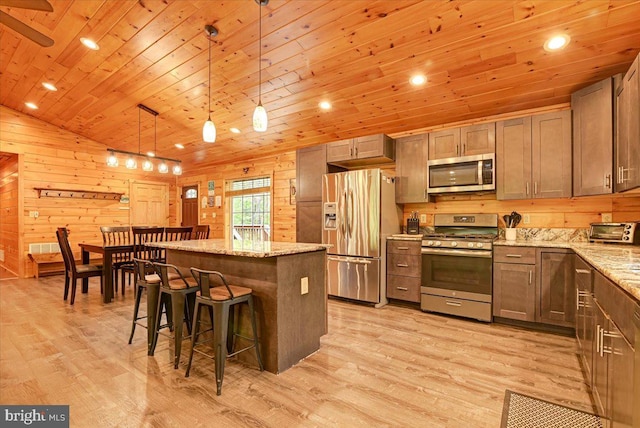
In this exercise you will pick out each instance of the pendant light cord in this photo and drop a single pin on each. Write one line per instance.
(260, 56)
(210, 75)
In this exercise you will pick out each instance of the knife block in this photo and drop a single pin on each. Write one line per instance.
(413, 226)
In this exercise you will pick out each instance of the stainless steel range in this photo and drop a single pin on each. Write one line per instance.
(457, 262)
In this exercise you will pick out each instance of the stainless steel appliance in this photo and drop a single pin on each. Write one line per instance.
(359, 212)
(462, 174)
(618, 233)
(457, 265)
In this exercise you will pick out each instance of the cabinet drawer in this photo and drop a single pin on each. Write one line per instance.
(404, 265)
(522, 255)
(404, 247)
(403, 288)
(583, 275)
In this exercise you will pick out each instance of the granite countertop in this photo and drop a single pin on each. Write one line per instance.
(241, 248)
(620, 263)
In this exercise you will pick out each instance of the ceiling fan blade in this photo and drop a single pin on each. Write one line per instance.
(25, 30)
(42, 5)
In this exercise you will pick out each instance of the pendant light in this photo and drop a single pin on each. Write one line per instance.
(260, 119)
(209, 129)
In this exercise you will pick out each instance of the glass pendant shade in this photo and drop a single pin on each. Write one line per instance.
(112, 160)
(177, 170)
(260, 119)
(147, 165)
(209, 131)
(131, 163)
(163, 168)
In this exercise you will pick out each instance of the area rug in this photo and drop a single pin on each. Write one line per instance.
(522, 411)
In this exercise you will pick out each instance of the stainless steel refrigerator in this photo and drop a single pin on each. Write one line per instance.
(359, 212)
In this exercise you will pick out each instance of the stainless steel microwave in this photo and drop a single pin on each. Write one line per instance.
(618, 233)
(462, 174)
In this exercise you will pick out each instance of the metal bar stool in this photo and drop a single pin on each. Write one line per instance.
(221, 299)
(147, 279)
(180, 293)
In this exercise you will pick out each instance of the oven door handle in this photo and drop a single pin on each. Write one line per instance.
(466, 253)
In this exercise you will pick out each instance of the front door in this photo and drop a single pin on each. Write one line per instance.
(190, 205)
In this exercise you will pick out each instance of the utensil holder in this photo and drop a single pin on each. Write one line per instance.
(413, 226)
(510, 234)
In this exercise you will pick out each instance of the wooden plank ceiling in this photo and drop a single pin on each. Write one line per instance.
(480, 57)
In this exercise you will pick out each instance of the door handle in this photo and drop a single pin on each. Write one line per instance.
(402, 265)
(514, 256)
(583, 271)
(607, 181)
(453, 303)
(535, 187)
(530, 277)
(402, 288)
(527, 188)
(403, 248)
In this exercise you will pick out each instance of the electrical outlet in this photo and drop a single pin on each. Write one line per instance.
(526, 218)
(34, 214)
(204, 215)
(607, 217)
(423, 218)
(304, 285)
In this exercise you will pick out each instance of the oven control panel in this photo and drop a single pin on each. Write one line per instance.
(457, 244)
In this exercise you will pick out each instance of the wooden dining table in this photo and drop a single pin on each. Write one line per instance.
(107, 252)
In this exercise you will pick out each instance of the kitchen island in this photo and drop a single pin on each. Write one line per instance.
(290, 320)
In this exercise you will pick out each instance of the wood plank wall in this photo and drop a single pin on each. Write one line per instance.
(572, 213)
(55, 158)
(9, 236)
(282, 169)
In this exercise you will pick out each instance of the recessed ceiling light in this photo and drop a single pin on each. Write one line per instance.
(32, 106)
(418, 80)
(49, 86)
(151, 154)
(89, 43)
(325, 105)
(556, 42)
(234, 130)
(179, 146)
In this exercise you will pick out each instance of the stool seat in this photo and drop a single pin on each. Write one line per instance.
(180, 284)
(154, 278)
(221, 293)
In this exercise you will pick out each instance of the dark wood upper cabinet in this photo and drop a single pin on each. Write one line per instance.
(368, 150)
(513, 158)
(411, 169)
(627, 144)
(533, 156)
(465, 141)
(592, 110)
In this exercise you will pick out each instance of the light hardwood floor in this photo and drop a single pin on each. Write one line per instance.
(393, 366)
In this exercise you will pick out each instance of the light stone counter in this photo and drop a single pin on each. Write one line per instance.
(619, 263)
(241, 248)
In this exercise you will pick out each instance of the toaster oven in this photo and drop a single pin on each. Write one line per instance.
(618, 233)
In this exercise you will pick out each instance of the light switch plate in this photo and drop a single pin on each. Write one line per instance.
(423, 218)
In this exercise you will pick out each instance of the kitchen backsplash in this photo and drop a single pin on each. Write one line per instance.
(549, 234)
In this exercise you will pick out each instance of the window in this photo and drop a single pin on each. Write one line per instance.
(191, 194)
(250, 204)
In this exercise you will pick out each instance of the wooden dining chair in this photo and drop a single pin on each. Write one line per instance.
(73, 272)
(201, 231)
(143, 235)
(122, 262)
(180, 233)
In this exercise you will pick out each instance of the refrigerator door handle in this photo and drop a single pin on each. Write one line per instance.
(350, 213)
(349, 260)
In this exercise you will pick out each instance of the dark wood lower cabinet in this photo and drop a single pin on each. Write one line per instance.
(607, 352)
(557, 300)
(309, 222)
(534, 285)
(404, 266)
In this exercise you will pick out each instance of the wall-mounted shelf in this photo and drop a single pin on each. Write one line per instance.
(80, 194)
